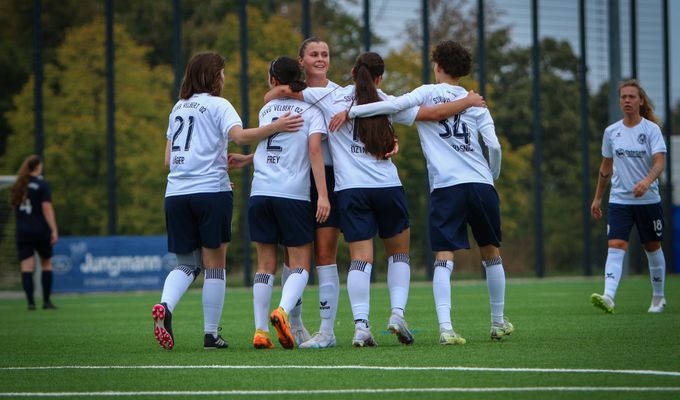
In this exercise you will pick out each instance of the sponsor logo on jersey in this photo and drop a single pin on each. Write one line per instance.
(621, 153)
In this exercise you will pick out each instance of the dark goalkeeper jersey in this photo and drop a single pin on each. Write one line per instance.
(30, 220)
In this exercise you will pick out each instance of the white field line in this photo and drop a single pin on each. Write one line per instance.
(346, 391)
(359, 367)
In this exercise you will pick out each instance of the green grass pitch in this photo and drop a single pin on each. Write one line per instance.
(562, 348)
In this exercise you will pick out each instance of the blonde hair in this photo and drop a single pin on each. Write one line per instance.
(647, 107)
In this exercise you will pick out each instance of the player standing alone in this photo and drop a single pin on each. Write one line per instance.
(633, 156)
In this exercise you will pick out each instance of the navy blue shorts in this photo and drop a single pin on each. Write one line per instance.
(277, 220)
(453, 208)
(367, 211)
(648, 218)
(333, 220)
(198, 220)
(26, 248)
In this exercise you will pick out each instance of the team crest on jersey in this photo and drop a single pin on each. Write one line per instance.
(642, 139)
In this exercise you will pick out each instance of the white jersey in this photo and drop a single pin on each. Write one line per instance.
(632, 150)
(451, 146)
(325, 148)
(198, 131)
(281, 161)
(354, 168)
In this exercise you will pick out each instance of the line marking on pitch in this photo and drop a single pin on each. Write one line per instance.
(359, 367)
(346, 391)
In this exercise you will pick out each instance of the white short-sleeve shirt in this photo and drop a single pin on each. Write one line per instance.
(281, 161)
(632, 150)
(198, 134)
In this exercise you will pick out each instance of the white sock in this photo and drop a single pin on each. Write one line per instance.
(329, 294)
(262, 297)
(612, 271)
(398, 281)
(359, 288)
(295, 314)
(495, 281)
(441, 287)
(657, 271)
(213, 299)
(292, 290)
(176, 284)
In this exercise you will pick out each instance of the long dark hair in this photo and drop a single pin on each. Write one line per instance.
(647, 107)
(287, 72)
(376, 133)
(202, 75)
(20, 187)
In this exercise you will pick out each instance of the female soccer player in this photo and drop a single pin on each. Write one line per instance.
(314, 57)
(198, 198)
(461, 183)
(370, 195)
(633, 157)
(36, 227)
(279, 210)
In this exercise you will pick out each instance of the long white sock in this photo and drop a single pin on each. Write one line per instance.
(295, 314)
(398, 281)
(441, 287)
(292, 290)
(329, 295)
(176, 284)
(612, 271)
(262, 297)
(657, 271)
(495, 281)
(359, 288)
(213, 299)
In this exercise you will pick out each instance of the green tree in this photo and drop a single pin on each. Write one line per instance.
(75, 133)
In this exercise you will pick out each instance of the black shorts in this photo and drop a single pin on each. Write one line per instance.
(453, 208)
(277, 220)
(26, 248)
(367, 211)
(333, 220)
(648, 218)
(198, 220)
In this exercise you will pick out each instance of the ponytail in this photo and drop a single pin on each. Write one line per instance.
(20, 187)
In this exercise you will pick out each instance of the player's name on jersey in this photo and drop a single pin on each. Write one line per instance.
(356, 149)
(178, 160)
(190, 104)
(273, 159)
(280, 107)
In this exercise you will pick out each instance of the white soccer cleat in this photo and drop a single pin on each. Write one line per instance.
(603, 302)
(499, 331)
(363, 338)
(397, 325)
(658, 304)
(450, 337)
(320, 340)
(300, 334)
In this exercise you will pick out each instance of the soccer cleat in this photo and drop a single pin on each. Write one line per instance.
(279, 318)
(320, 340)
(211, 342)
(450, 337)
(397, 325)
(498, 331)
(49, 306)
(162, 318)
(363, 338)
(658, 304)
(261, 340)
(603, 302)
(300, 334)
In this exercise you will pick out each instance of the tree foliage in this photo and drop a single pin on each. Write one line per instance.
(75, 133)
